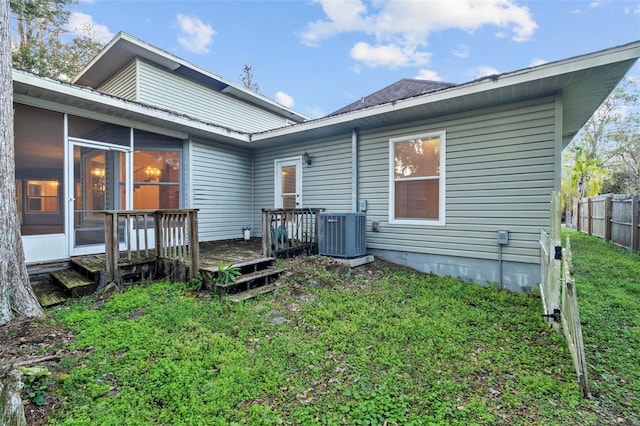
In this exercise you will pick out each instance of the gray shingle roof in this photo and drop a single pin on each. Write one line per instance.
(403, 89)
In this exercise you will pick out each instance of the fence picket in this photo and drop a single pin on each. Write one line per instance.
(613, 217)
(557, 287)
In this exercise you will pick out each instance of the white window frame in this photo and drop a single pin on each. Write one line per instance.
(441, 221)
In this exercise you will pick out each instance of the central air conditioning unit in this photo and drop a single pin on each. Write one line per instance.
(342, 234)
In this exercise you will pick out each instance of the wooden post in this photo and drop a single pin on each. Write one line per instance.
(589, 216)
(553, 287)
(635, 210)
(111, 245)
(157, 222)
(266, 235)
(194, 244)
(608, 208)
(578, 213)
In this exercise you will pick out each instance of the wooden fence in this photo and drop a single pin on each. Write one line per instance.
(550, 264)
(558, 294)
(288, 232)
(612, 217)
(571, 325)
(151, 235)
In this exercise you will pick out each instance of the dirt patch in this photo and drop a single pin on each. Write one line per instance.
(30, 343)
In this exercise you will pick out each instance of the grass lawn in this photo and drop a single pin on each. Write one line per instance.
(381, 346)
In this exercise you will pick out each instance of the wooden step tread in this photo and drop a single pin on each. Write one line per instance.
(243, 265)
(250, 277)
(254, 262)
(72, 279)
(50, 294)
(254, 292)
(92, 263)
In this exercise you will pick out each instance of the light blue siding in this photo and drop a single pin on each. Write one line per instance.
(499, 175)
(159, 87)
(325, 184)
(221, 189)
(123, 84)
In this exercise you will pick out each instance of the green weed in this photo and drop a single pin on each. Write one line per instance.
(390, 347)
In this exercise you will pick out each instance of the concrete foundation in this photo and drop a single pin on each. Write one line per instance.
(516, 276)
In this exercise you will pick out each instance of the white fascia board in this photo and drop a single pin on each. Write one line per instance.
(120, 106)
(527, 75)
(161, 57)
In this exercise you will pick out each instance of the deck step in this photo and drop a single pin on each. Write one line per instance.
(243, 267)
(249, 281)
(49, 294)
(75, 283)
(254, 292)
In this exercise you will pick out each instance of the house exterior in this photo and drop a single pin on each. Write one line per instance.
(438, 168)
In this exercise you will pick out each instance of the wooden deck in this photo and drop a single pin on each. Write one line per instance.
(56, 282)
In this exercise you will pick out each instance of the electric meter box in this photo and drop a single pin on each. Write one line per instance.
(503, 237)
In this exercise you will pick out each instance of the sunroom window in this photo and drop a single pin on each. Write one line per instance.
(157, 170)
(416, 184)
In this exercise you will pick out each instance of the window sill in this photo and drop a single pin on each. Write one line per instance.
(417, 222)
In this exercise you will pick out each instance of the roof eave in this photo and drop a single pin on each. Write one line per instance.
(91, 101)
(616, 61)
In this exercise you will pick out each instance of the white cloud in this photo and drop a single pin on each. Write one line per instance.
(391, 55)
(195, 36)
(390, 27)
(428, 75)
(593, 5)
(483, 71)
(343, 16)
(316, 112)
(284, 99)
(537, 61)
(632, 10)
(82, 25)
(462, 51)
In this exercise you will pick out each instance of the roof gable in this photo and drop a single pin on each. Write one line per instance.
(124, 48)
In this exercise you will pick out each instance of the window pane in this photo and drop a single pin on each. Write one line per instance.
(39, 152)
(85, 128)
(288, 202)
(289, 180)
(417, 199)
(156, 166)
(42, 196)
(156, 179)
(417, 158)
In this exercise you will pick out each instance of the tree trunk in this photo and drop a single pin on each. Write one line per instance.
(16, 295)
(11, 410)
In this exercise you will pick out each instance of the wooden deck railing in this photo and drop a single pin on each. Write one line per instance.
(137, 235)
(287, 232)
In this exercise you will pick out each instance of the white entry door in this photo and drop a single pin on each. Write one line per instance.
(98, 182)
(288, 184)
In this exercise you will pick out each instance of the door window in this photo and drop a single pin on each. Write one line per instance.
(288, 184)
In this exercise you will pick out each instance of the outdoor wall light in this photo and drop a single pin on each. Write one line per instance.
(306, 157)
